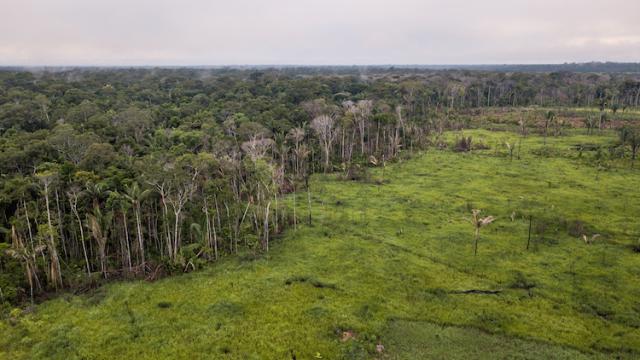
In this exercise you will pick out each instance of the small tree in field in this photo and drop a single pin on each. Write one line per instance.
(630, 136)
(510, 148)
(478, 223)
(522, 124)
(549, 118)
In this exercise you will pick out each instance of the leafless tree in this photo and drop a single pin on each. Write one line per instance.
(324, 127)
(257, 147)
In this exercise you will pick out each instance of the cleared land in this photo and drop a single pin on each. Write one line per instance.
(390, 261)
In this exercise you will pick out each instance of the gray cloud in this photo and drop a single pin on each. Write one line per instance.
(200, 32)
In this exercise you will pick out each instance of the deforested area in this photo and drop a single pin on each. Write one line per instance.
(331, 212)
(384, 180)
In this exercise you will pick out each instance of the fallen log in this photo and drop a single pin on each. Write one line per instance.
(476, 291)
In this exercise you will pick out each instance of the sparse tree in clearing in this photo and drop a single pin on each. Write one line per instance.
(522, 123)
(590, 123)
(603, 120)
(614, 108)
(548, 120)
(478, 223)
(558, 125)
(510, 148)
(631, 136)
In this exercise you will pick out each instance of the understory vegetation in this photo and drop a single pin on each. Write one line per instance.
(422, 215)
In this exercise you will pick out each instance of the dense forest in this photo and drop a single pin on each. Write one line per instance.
(123, 173)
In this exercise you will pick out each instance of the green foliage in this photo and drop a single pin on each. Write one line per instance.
(140, 173)
(403, 275)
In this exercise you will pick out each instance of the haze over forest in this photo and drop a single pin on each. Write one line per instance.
(333, 32)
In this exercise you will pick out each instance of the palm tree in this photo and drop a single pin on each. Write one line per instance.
(135, 195)
(478, 223)
(47, 177)
(120, 206)
(28, 257)
(73, 194)
(98, 223)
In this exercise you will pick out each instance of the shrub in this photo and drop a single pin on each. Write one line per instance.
(164, 304)
(520, 281)
(462, 144)
(355, 172)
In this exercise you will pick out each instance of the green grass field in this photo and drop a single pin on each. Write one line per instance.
(393, 265)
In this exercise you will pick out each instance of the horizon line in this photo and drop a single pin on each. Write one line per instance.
(245, 65)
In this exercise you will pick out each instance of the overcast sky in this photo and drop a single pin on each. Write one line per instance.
(214, 32)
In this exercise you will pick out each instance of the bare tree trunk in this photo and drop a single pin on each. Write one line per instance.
(275, 210)
(136, 210)
(206, 215)
(215, 239)
(215, 236)
(231, 229)
(308, 197)
(295, 219)
(74, 209)
(26, 214)
(61, 227)
(266, 226)
(212, 240)
(237, 230)
(529, 237)
(55, 271)
(475, 242)
(165, 213)
(176, 233)
(126, 239)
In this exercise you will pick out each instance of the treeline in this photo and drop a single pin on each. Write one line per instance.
(121, 189)
(125, 173)
(587, 67)
(37, 100)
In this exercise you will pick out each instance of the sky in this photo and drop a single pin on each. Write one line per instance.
(322, 32)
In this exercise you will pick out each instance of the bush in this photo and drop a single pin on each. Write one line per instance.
(576, 228)
(520, 281)
(462, 144)
(356, 172)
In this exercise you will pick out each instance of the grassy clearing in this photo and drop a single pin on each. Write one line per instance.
(409, 340)
(393, 264)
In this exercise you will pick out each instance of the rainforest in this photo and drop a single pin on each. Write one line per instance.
(356, 212)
